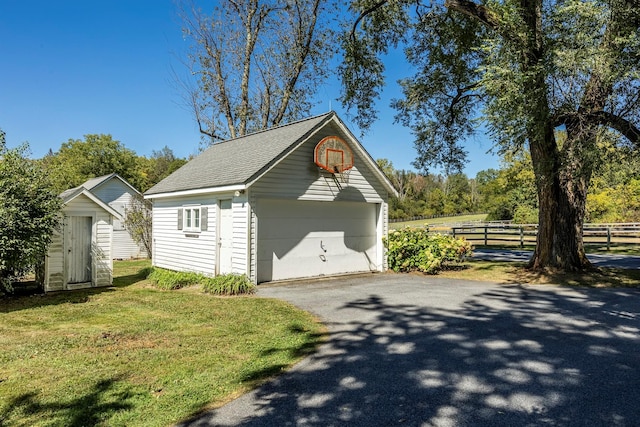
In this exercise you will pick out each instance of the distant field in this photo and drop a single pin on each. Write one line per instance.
(440, 221)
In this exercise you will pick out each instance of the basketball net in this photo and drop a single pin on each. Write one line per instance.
(341, 175)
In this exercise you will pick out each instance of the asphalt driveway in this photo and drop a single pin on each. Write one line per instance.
(416, 350)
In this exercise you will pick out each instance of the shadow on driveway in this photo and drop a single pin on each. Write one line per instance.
(413, 350)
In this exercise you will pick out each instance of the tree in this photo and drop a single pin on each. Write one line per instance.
(525, 68)
(138, 222)
(29, 213)
(257, 63)
(160, 165)
(96, 155)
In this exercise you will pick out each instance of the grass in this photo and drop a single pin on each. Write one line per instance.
(633, 250)
(439, 221)
(515, 272)
(132, 355)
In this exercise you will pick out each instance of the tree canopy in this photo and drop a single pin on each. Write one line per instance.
(256, 63)
(78, 160)
(29, 213)
(526, 70)
(96, 155)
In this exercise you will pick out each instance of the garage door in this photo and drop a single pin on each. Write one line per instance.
(305, 239)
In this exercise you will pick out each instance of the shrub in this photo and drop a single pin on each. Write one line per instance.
(225, 284)
(413, 249)
(228, 284)
(144, 273)
(169, 280)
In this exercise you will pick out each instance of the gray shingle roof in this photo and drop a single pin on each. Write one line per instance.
(237, 161)
(92, 183)
(88, 184)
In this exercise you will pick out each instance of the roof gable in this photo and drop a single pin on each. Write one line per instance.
(93, 183)
(237, 161)
(71, 194)
(244, 160)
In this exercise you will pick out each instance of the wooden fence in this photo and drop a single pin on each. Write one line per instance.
(525, 234)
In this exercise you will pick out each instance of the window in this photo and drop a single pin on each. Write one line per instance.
(191, 219)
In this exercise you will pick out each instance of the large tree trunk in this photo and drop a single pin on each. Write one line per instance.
(562, 183)
(559, 244)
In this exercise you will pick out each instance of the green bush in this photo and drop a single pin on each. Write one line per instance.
(413, 249)
(228, 284)
(225, 284)
(169, 280)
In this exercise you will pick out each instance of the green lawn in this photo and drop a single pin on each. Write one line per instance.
(440, 221)
(515, 272)
(133, 355)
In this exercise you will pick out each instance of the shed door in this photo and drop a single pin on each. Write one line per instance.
(78, 245)
(225, 237)
(305, 238)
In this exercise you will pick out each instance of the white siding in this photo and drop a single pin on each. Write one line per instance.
(253, 239)
(298, 177)
(179, 250)
(124, 246)
(54, 265)
(240, 207)
(102, 259)
(101, 241)
(185, 251)
(295, 178)
(118, 195)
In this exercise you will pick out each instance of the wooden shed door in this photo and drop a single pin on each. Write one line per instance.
(78, 245)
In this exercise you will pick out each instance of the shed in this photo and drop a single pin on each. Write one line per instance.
(116, 192)
(262, 205)
(80, 253)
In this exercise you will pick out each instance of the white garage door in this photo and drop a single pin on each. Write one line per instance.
(305, 239)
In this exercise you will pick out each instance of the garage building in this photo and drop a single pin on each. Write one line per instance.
(299, 200)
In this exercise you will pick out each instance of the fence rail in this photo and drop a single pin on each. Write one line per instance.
(521, 234)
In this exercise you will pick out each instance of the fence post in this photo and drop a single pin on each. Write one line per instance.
(485, 235)
(608, 236)
(453, 229)
(521, 237)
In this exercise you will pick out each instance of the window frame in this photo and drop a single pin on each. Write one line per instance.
(191, 219)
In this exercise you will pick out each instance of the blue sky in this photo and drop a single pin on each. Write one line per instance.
(74, 67)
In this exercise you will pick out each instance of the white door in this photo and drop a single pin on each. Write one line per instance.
(305, 239)
(78, 248)
(225, 237)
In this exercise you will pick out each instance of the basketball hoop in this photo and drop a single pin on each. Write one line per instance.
(334, 155)
(342, 173)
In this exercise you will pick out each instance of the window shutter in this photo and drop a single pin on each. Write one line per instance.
(179, 218)
(204, 219)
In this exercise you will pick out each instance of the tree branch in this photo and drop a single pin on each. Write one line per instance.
(476, 11)
(364, 14)
(618, 123)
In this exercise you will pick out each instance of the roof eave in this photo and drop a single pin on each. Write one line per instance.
(373, 165)
(96, 200)
(197, 191)
(304, 138)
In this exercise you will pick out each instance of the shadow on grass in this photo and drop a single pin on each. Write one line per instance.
(106, 398)
(22, 300)
(259, 376)
(517, 273)
(599, 278)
